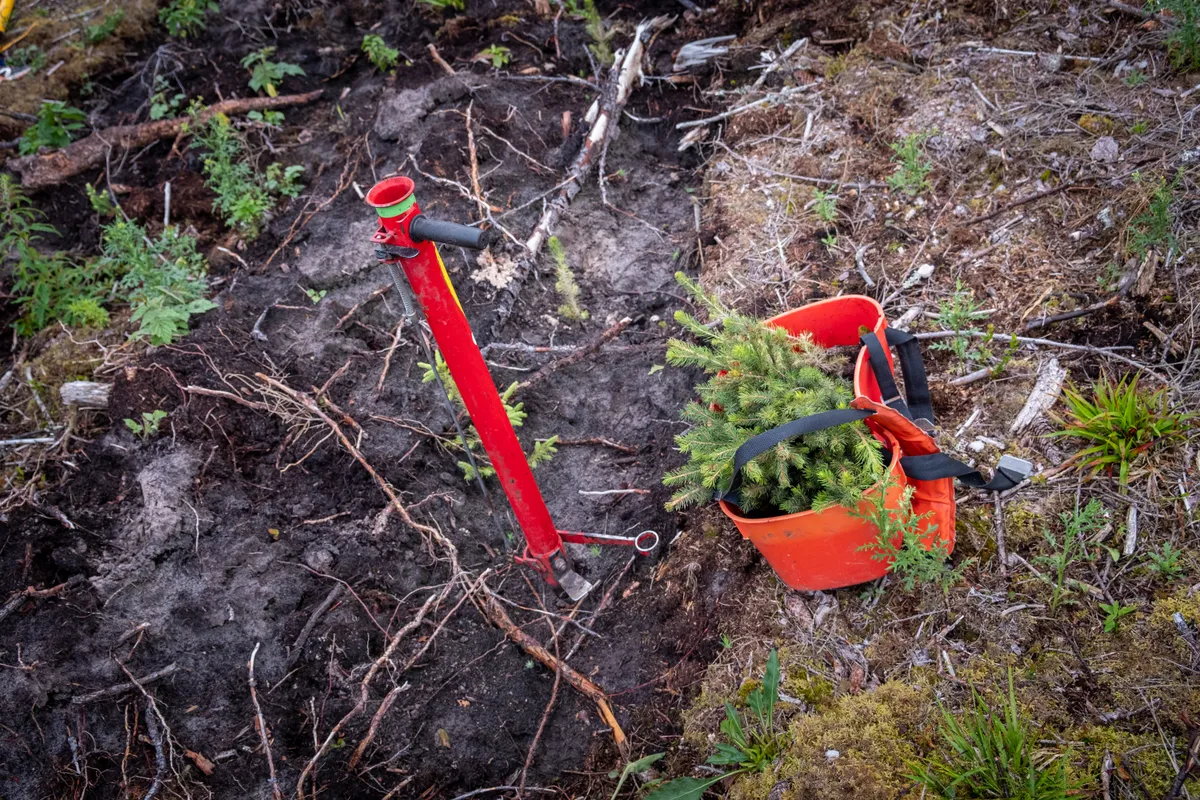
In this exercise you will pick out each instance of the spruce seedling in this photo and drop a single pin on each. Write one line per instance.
(762, 377)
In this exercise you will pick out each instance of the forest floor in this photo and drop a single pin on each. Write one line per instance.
(143, 573)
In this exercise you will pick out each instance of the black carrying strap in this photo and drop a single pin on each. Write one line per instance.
(939, 465)
(757, 445)
(912, 366)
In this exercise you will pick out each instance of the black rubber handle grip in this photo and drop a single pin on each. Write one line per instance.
(431, 230)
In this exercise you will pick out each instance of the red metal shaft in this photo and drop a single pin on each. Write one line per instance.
(431, 284)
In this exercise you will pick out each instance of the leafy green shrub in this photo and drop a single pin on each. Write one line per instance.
(824, 205)
(985, 755)
(1183, 36)
(594, 25)
(163, 106)
(564, 282)
(45, 288)
(56, 122)
(959, 313)
(184, 18)
(383, 57)
(912, 167)
(1079, 526)
(542, 450)
(244, 196)
(164, 281)
(1122, 426)
(763, 377)
(1151, 229)
(901, 541)
(95, 34)
(266, 74)
(1165, 562)
(1113, 613)
(752, 742)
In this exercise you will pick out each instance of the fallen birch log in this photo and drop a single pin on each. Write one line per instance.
(85, 394)
(603, 116)
(39, 171)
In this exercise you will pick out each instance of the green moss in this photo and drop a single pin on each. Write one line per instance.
(812, 689)
(875, 735)
(1162, 620)
(1138, 758)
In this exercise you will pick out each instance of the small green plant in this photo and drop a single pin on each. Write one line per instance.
(633, 768)
(100, 202)
(594, 25)
(751, 741)
(1113, 613)
(443, 5)
(1151, 229)
(824, 205)
(912, 165)
(265, 74)
(543, 449)
(54, 128)
(1183, 35)
(315, 296)
(830, 241)
(1122, 427)
(184, 18)
(1134, 78)
(164, 280)
(244, 196)
(1078, 526)
(1139, 127)
(985, 754)
(959, 313)
(726, 642)
(149, 425)
(95, 34)
(268, 118)
(162, 106)
(761, 377)
(29, 55)
(378, 53)
(564, 283)
(1165, 562)
(916, 556)
(499, 55)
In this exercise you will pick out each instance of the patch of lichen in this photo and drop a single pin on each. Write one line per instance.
(1139, 760)
(877, 735)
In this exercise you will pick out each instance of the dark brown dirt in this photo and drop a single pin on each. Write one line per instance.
(202, 537)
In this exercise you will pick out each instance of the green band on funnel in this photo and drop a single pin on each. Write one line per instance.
(398, 209)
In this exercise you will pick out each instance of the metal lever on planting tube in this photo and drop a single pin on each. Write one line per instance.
(406, 238)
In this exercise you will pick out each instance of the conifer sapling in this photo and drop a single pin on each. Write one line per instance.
(762, 377)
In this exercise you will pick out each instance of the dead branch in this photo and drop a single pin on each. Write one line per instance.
(313, 408)
(31, 593)
(610, 104)
(1042, 322)
(365, 685)
(200, 390)
(596, 441)
(38, 171)
(437, 59)
(160, 756)
(382, 290)
(497, 616)
(373, 728)
(581, 353)
(537, 736)
(349, 170)
(1033, 198)
(1080, 348)
(122, 688)
(326, 604)
(387, 360)
(261, 724)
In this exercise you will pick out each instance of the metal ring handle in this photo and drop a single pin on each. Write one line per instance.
(646, 549)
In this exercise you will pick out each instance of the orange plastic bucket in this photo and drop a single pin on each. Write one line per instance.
(815, 550)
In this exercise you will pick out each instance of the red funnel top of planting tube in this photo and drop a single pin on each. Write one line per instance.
(391, 197)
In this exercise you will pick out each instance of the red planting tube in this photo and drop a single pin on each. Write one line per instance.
(409, 239)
